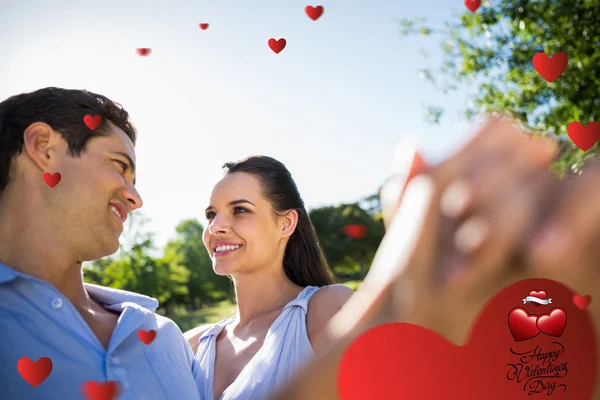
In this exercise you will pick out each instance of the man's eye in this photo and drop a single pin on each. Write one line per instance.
(210, 215)
(123, 165)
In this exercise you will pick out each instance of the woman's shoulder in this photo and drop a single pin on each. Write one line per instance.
(193, 335)
(323, 305)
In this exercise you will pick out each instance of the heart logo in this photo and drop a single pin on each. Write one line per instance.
(584, 137)
(473, 5)
(92, 122)
(34, 373)
(409, 362)
(143, 51)
(203, 26)
(147, 336)
(52, 179)
(553, 324)
(356, 231)
(550, 68)
(522, 325)
(93, 390)
(314, 12)
(277, 45)
(582, 301)
(540, 295)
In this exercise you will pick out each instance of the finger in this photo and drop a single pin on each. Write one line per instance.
(571, 234)
(408, 163)
(492, 236)
(481, 183)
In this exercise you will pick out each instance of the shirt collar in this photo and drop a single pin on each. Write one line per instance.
(113, 299)
(7, 274)
(117, 299)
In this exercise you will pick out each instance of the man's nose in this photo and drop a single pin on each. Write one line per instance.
(134, 198)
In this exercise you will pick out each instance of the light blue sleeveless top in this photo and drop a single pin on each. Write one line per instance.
(285, 350)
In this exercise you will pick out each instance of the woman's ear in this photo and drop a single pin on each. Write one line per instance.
(289, 221)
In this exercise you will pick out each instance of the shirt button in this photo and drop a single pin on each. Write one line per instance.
(57, 303)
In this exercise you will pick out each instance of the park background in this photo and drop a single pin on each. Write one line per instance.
(331, 106)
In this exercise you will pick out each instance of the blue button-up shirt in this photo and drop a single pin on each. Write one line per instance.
(37, 321)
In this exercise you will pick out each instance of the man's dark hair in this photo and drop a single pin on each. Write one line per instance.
(63, 110)
(303, 262)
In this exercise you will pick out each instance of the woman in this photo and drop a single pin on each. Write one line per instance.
(260, 235)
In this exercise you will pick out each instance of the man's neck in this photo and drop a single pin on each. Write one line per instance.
(30, 246)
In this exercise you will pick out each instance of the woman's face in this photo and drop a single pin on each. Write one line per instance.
(243, 233)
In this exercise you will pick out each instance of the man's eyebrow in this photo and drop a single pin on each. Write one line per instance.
(233, 203)
(129, 160)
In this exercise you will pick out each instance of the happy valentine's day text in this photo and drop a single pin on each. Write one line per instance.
(540, 369)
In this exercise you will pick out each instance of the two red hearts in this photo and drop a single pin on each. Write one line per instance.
(408, 362)
(524, 326)
(313, 13)
(35, 373)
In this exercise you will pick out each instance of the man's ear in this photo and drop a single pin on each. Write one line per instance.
(289, 221)
(40, 143)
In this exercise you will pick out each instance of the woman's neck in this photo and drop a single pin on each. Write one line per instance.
(262, 291)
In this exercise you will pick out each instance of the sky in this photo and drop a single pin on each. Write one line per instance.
(331, 106)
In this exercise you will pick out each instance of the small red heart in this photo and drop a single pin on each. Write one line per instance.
(52, 179)
(314, 12)
(584, 137)
(34, 373)
(147, 336)
(553, 324)
(550, 68)
(277, 45)
(203, 26)
(473, 5)
(356, 231)
(144, 51)
(100, 391)
(582, 301)
(92, 122)
(540, 295)
(522, 325)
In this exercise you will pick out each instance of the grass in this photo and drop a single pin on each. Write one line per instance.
(187, 320)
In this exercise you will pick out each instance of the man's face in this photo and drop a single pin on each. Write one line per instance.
(95, 194)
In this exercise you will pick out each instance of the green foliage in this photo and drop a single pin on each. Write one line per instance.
(492, 50)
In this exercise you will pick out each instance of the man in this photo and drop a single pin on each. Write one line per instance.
(49, 225)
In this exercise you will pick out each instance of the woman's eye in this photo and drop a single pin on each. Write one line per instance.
(240, 209)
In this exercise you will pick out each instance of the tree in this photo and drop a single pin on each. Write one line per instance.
(349, 258)
(493, 48)
(205, 287)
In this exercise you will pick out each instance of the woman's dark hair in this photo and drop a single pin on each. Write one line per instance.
(303, 262)
(63, 110)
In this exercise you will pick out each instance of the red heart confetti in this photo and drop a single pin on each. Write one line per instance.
(92, 122)
(34, 373)
(409, 362)
(473, 5)
(143, 51)
(582, 301)
(93, 390)
(314, 12)
(553, 324)
(52, 179)
(147, 336)
(277, 45)
(356, 231)
(550, 68)
(203, 26)
(584, 137)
